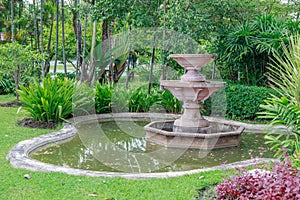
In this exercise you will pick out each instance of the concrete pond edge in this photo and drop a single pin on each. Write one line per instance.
(19, 154)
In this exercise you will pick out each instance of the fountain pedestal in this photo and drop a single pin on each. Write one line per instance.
(191, 120)
(192, 94)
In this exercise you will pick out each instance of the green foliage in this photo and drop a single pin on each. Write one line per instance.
(169, 102)
(103, 98)
(109, 98)
(50, 101)
(83, 100)
(284, 109)
(120, 99)
(19, 63)
(140, 101)
(241, 102)
(248, 47)
(6, 86)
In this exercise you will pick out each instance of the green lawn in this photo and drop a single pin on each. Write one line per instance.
(60, 67)
(14, 186)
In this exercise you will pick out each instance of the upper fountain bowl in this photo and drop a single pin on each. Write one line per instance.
(193, 60)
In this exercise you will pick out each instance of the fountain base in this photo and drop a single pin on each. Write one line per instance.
(185, 129)
(220, 136)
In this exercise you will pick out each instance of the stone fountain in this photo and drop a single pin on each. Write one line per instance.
(192, 130)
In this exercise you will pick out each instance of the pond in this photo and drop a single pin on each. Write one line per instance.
(120, 146)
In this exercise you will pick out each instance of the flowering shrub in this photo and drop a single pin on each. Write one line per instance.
(282, 183)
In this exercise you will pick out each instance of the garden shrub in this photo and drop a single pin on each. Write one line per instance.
(103, 98)
(242, 102)
(50, 101)
(283, 182)
(140, 101)
(169, 102)
(120, 99)
(6, 86)
(83, 100)
(215, 105)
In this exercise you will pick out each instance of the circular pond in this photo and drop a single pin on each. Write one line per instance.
(119, 145)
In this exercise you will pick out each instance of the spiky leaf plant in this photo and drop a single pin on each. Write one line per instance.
(284, 109)
(50, 101)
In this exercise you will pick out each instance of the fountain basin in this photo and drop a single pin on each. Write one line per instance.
(193, 63)
(192, 91)
(221, 136)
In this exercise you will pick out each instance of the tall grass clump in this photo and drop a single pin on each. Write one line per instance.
(120, 99)
(169, 102)
(50, 101)
(141, 101)
(103, 98)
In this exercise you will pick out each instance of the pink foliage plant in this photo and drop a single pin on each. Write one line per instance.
(281, 183)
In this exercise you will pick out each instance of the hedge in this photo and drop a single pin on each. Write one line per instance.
(237, 101)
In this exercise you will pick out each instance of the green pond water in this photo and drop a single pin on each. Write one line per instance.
(120, 146)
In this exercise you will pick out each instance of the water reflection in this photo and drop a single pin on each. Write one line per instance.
(115, 146)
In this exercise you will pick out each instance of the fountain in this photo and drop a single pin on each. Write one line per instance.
(192, 130)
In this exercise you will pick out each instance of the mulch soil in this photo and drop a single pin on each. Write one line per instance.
(11, 104)
(31, 123)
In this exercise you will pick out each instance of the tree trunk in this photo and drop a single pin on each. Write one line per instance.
(128, 61)
(78, 33)
(104, 36)
(112, 70)
(63, 36)
(37, 45)
(103, 44)
(56, 40)
(151, 65)
(47, 63)
(16, 75)
(42, 37)
(12, 21)
(84, 75)
(163, 76)
(92, 55)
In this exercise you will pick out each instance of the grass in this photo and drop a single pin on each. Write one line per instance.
(60, 67)
(52, 186)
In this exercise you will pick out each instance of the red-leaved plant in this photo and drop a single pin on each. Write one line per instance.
(283, 182)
